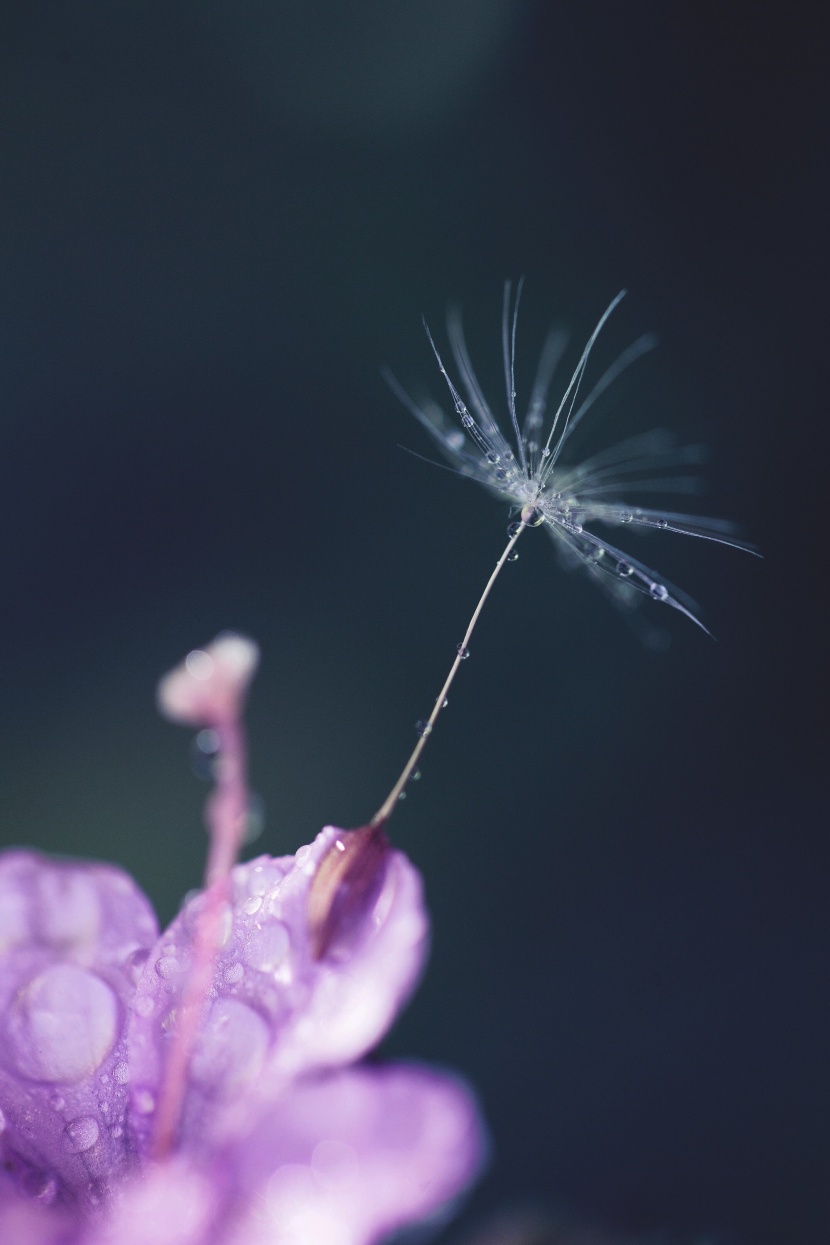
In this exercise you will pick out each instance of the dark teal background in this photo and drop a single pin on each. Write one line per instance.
(217, 222)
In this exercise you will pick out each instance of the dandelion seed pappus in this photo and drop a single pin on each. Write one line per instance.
(570, 500)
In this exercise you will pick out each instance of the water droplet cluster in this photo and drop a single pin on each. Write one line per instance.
(72, 936)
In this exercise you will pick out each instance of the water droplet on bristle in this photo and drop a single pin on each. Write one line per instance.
(423, 727)
(624, 569)
(463, 652)
(626, 516)
(513, 528)
(532, 516)
(467, 420)
(659, 592)
(513, 557)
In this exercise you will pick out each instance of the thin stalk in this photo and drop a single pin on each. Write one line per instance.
(385, 811)
(225, 815)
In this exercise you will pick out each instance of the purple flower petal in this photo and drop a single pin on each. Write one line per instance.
(72, 939)
(349, 1158)
(25, 1222)
(172, 1203)
(276, 1012)
(342, 1160)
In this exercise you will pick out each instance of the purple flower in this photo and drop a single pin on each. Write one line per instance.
(202, 1087)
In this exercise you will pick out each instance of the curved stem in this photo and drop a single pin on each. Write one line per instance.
(385, 811)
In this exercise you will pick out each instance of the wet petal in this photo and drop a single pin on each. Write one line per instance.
(23, 1221)
(170, 1204)
(276, 1012)
(353, 1157)
(72, 940)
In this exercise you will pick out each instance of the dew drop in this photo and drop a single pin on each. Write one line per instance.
(501, 474)
(167, 966)
(414, 776)
(302, 854)
(144, 1102)
(467, 420)
(121, 1073)
(233, 973)
(82, 1133)
(268, 947)
(446, 702)
(199, 664)
(626, 516)
(254, 818)
(62, 1025)
(46, 1191)
(513, 557)
(423, 727)
(252, 906)
(463, 652)
(207, 741)
(513, 528)
(659, 591)
(662, 523)
(203, 754)
(144, 1006)
(545, 451)
(401, 795)
(624, 569)
(455, 440)
(492, 457)
(532, 516)
(2, 1121)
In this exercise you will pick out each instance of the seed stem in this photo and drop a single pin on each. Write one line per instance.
(385, 811)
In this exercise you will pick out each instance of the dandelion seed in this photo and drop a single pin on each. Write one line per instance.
(570, 500)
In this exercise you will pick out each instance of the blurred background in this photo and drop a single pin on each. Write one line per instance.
(218, 221)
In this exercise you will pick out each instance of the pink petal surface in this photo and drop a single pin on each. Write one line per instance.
(342, 1160)
(73, 939)
(354, 1156)
(275, 1012)
(173, 1203)
(26, 1222)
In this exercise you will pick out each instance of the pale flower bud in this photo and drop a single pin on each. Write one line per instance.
(209, 686)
